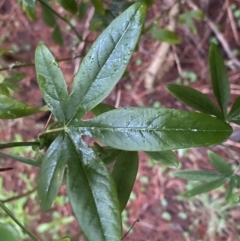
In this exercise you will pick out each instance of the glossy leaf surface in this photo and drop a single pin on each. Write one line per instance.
(124, 174)
(198, 175)
(234, 114)
(92, 192)
(194, 99)
(51, 171)
(220, 83)
(206, 187)
(51, 82)
(152, 129)
(11, 108)
(106, 61)
(166, 158)
(69, 5)
(219, 163)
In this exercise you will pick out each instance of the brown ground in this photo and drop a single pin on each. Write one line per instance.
(164, 215)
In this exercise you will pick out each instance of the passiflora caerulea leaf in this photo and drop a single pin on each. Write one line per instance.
(152, 129)
(11, 108)
(92, 192)
(205, 187)
(51, 82)
(167, 158)
(194, 99)
(220, 83)
(101, 108)
(124, 174)
(219, 163)
(198, 175)
(52, 171)
(234, 114)
(106, 61)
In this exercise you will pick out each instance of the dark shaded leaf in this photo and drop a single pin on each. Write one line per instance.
(98, 4)
(101, 108)
(106, 61)
(194, 99)
(92, 192)
(234, 114)
(82, 9)
(69, 5)
(124, 174)
(220, 83)
(206, 187)
(166, 158)
(52, 170)
(219, 163)
(198, 175)
(152, 129)
(164, 35)
(51, 82)
(47, 15)
(57, 36)
(11, 108)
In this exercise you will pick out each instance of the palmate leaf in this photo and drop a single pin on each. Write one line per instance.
(51, 82)
(106, 61)
(152, 129)
(92, 192)
(52, 170)
(220, 83)
(194, 99)
(124, 174)
(11, 108)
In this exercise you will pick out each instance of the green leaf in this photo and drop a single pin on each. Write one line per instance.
(101, 108)
(47, 15)
(166, 158)
(52, 170)
(8, 232)
(29, 7)
(194, 99)
(165, 35)
(124, 174)
(152, 129)
(20, 159)
(57, 36)
(220, 83)
(198, 175)
(92, 192)
(69, 5)
(206, 187)
(11, 108)
(229, 195)
(15, 78)
(234, 114)
(82, 9)
(219, 163)
(106, 61)
(51, 83)
(98, 5)
(64, 239)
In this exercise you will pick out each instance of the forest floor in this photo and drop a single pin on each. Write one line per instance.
(156, 207)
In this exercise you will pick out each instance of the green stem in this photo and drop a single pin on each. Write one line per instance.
(16, 144)
(51, 131)
(33, 64)
(62, 18)
(19, 196)
(32, 236)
